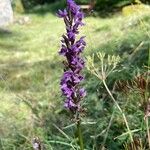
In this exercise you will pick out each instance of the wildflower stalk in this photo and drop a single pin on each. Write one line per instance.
(107, 67)
(146, 119)
(119, 108)
(71, 49)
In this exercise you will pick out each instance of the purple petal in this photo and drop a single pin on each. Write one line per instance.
(82, 92)
(62, 13)
(69, 104)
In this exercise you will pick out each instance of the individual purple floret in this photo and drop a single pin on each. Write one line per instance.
(71, 50)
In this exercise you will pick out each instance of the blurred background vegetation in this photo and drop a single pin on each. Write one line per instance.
(30, 71)
(99, 4)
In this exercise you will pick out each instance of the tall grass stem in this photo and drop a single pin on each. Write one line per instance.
(119, 108)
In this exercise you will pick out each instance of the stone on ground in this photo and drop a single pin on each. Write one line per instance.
(6, 12)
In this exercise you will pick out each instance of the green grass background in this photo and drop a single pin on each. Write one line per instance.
(30, 70)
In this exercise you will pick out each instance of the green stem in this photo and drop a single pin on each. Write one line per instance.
(119, 108)
(80, 135)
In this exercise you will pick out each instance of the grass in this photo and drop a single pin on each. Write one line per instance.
(30, 71)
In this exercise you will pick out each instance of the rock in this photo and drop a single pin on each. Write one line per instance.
(6, 12)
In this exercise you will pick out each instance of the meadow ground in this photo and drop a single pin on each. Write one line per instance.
(30, 70)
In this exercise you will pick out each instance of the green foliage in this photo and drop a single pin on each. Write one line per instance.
(43, 9)
(109, 5)
(114, 5)
(100, 5)
(83, 1)
(135, 9)
(29, 4)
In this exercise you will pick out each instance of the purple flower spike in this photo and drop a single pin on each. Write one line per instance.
(71, 49)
